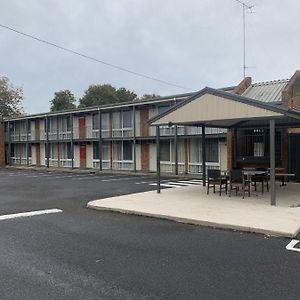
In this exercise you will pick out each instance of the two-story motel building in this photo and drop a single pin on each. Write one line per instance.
(118, 137)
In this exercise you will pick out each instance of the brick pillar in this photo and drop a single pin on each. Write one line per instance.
(144, 117)
(37, 130)
(145, 156)
(2, 144)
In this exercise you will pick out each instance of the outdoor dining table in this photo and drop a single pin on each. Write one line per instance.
(250, 173)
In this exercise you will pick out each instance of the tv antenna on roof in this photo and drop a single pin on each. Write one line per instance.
(245, 7)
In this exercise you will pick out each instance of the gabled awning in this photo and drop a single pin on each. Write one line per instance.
(215, 108)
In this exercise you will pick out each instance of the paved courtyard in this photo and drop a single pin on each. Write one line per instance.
(192, 205)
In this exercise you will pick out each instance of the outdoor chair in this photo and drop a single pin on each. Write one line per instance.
(238, 180)
(261, 178)
(214, 178)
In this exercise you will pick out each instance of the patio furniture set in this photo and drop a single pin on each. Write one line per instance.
(242, 179)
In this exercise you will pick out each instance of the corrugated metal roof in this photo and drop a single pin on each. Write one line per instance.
(269, 91)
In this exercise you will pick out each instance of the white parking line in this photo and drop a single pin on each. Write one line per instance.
(30, 214)
(188, 182)
(166, 185)
(291, 246)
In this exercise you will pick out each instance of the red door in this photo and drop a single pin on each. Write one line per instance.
(81, 127)
(82, 156)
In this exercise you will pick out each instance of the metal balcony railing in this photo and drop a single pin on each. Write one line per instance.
(126, 165)
(105, 164)
(21, 160)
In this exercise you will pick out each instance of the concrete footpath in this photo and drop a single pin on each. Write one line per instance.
(191, 205)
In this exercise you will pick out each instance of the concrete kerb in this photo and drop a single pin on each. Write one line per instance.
(188, 205)
(103, 172)
(198, 222)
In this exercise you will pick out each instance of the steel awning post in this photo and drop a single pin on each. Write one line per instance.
(176, 148)
(158, 158)
(272, 161)
(203, 156)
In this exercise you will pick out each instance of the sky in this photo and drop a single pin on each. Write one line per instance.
(191, 43)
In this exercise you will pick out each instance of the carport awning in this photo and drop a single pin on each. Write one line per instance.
(215, 108)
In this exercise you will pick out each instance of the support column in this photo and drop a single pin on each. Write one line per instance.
(203, 156)
(176, 149)
(9, 143)
(100, 142)
(47, 142)
(234, 153)
(158, 158)
(27, 142)
(134, 139)
(272, 162)
(72, 141)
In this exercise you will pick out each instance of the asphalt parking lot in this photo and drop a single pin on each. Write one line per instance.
(84, 254)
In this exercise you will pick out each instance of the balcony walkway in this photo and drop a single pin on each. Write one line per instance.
(191, 205)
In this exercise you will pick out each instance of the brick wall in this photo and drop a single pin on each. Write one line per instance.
(2, 144)
(291, 93)
(37, 129)
(242, 86)
(144, 117)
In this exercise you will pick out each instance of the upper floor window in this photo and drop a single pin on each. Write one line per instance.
(122, 119)
(65, 124)
(105, 121)
(95, 121)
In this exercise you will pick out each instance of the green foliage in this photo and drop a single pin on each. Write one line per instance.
(125, 95)
(10, 99)
(149, 96)
(101, 94)
(63, 100)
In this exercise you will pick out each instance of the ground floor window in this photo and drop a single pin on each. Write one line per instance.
(66, 151)
(167, 151)
(123, 150)
(211, 153)
(105, 150)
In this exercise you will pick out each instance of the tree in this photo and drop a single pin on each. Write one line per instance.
(63, 100)
(10, 99)
(125, 95)
(149, 96)
(98, 94)
(101, 94)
